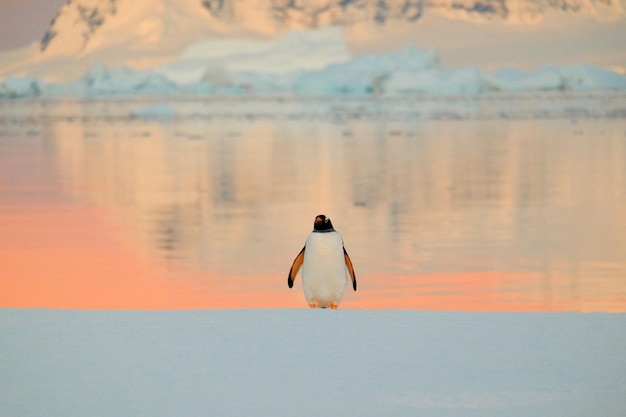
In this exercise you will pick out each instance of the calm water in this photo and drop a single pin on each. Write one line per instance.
(205, 205)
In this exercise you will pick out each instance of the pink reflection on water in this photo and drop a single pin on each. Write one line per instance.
(69, 258)
(469, 215)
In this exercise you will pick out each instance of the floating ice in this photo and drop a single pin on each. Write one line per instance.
(295, 52)
(367, 74)
(25, 87)
(101, 80)
(160, 111)
(312, 63)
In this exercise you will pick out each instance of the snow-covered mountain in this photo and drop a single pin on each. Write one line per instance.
(299, 14)
(322, 46)
(82, 25)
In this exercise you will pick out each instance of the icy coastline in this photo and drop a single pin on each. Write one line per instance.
(176, 108)
(350, 79)
(310, 64)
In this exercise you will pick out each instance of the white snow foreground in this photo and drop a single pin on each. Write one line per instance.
(311, 363)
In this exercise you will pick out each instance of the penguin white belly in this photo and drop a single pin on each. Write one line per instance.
(324, 272)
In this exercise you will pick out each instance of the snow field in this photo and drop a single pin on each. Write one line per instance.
(310, 362)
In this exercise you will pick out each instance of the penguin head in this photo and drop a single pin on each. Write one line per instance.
(322, 224)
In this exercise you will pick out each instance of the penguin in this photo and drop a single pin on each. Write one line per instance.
(325, 266)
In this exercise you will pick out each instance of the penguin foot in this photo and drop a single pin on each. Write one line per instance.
(313, 305)
(333, 307)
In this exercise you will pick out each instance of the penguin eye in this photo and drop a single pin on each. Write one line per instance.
(326, 220)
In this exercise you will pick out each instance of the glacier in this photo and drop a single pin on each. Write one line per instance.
(310, 63)
(345, 47)
(21, 87)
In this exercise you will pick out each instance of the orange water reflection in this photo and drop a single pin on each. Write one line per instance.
(69, 258)
(122, 213)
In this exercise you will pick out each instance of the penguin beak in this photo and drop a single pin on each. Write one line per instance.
(318, 219)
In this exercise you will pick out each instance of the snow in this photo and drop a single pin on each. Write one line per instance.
(549, 78)
(306, 14)
(25, 87)
(312, 63)
(296, 51)
(365, 74)
(147, 47)
(240, 47)
(311, 362)
(102, 80)
(586, 77)
(494, 45)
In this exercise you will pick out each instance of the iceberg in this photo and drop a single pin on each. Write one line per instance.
(102, 80)
(311, 63)
(295, 52)
(512, 80)
(467, 81)
(589, 78)
(550, 78)
(411, 71)
(23, 87)
(366, 74)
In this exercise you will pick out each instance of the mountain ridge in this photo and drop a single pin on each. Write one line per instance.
(80, 23)
(146, 35)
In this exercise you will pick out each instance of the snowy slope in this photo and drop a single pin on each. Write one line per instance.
(300, 14)
(246, 46)
(82, 26)
(294, 52)
(311, 363)
(141, 34)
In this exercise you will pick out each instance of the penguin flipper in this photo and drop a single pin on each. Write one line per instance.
(350, 268)
(295, 267)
